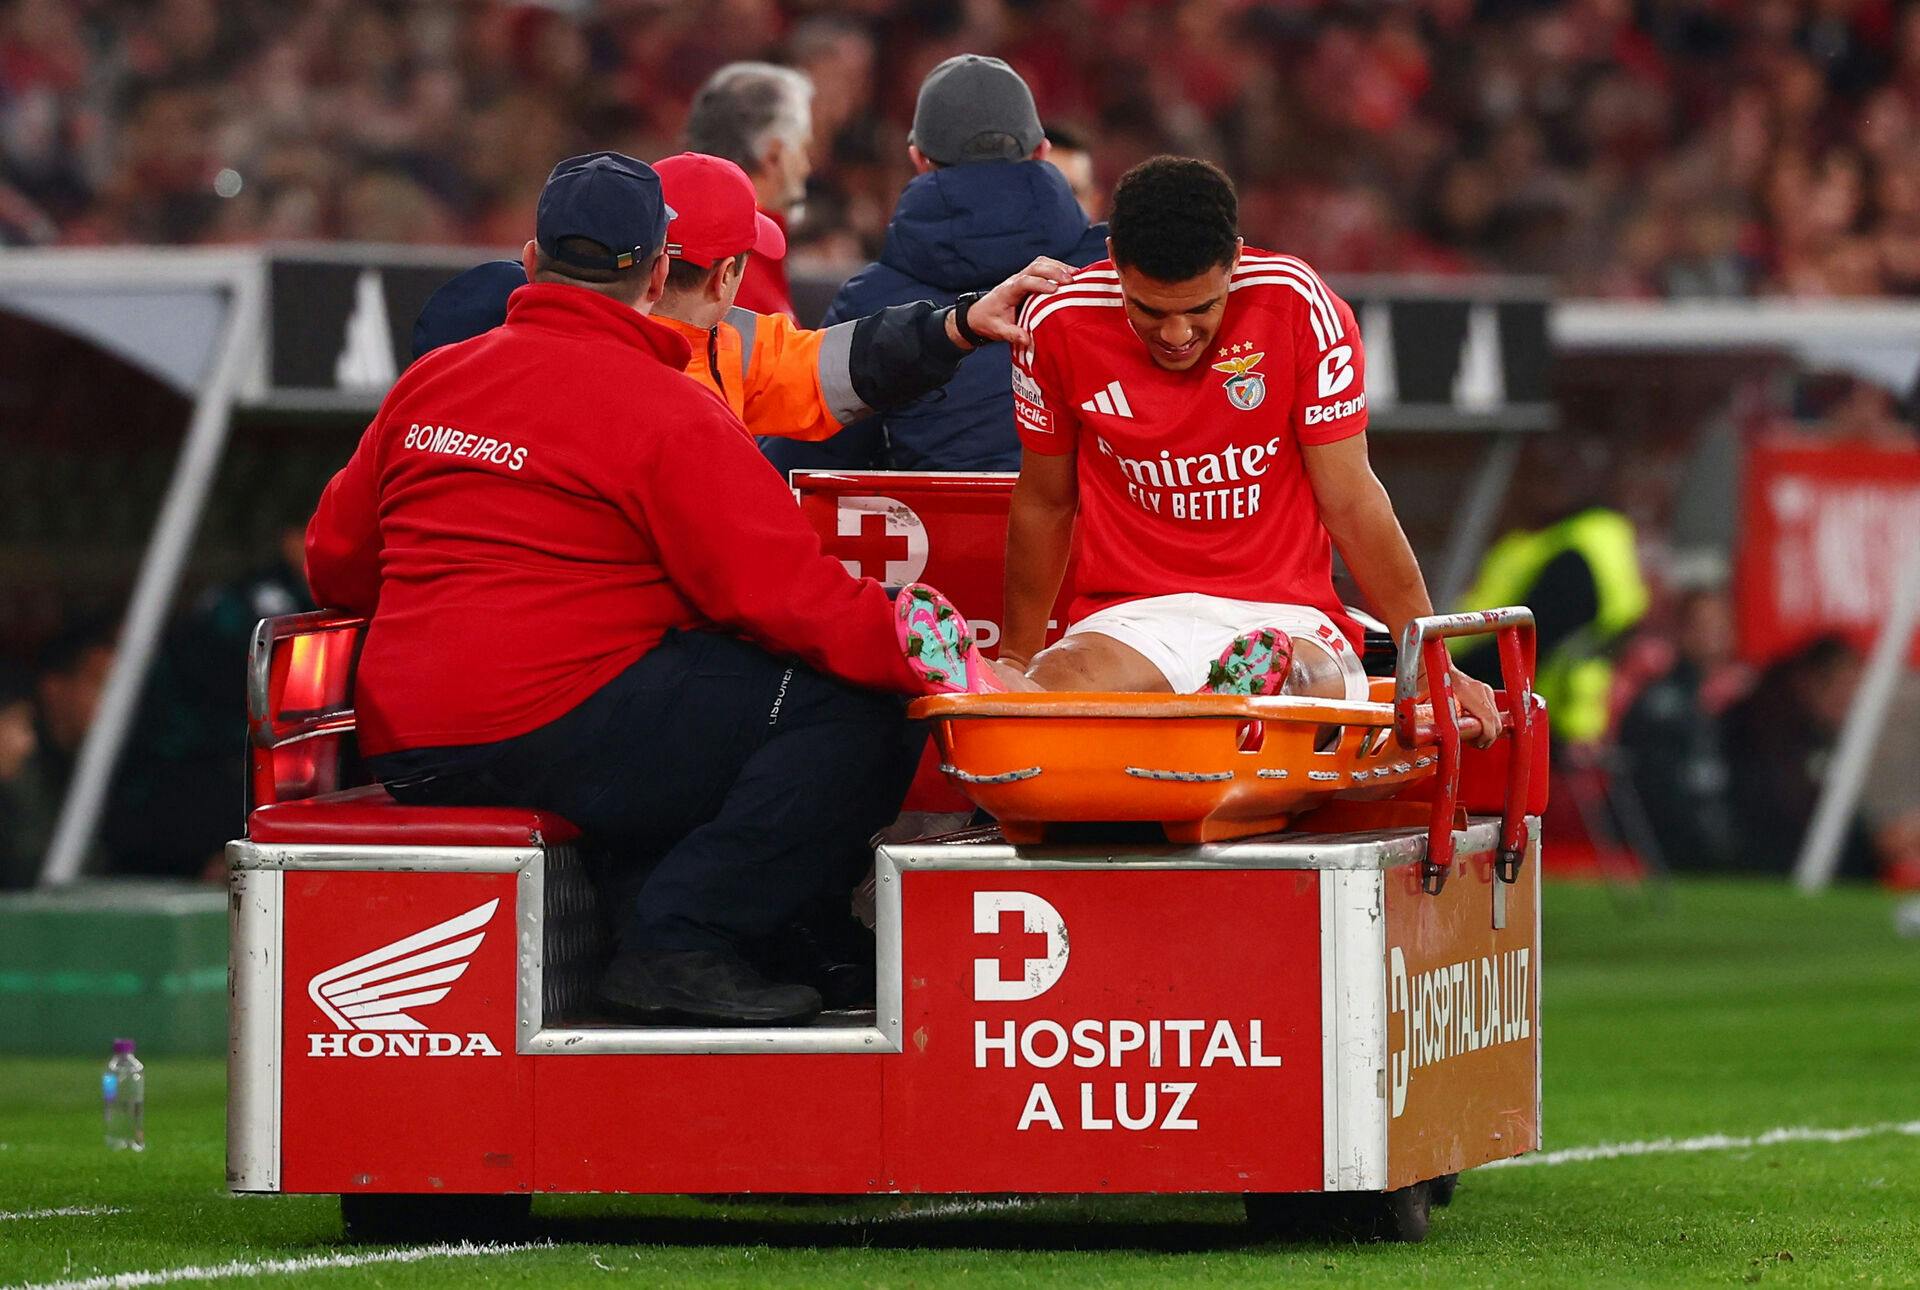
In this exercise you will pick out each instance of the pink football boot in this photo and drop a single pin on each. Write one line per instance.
(939, 644)
(1255, 664)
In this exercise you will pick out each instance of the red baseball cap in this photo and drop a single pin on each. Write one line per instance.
(716, 213)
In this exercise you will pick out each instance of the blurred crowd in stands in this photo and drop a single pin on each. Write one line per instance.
(1688, 148)
(1627, 147)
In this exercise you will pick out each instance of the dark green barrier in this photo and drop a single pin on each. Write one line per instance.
(140, 960)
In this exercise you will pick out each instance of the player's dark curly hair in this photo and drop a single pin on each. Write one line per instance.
(1173, 218)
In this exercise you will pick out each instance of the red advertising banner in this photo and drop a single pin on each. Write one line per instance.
(397, 1035)
(1085, 1032)
(1825, 530)
(947, 530)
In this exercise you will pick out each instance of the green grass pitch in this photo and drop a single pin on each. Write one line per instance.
(1737, 1010)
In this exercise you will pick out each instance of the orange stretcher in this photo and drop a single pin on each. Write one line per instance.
(1211, 767)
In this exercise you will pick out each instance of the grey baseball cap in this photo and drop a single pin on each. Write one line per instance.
(975, 108)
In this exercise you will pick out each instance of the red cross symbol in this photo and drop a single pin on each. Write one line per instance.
(871, 548)
(1011, 945)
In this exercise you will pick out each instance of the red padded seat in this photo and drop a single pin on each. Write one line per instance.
(369, 817)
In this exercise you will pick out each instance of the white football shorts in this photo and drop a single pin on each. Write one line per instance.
(1182, 635)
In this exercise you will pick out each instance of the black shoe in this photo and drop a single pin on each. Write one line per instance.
(846, 986)
(836, 960)
(702, 987)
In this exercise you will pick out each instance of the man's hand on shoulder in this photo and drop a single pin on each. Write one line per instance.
(996, 315)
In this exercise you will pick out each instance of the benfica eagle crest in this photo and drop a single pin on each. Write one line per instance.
(1246, 388)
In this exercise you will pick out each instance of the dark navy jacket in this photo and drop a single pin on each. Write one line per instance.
(961, 228)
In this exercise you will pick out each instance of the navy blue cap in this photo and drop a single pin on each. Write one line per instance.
(608, 198)
(474, 302)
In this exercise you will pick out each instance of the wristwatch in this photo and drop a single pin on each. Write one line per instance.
(961, 304)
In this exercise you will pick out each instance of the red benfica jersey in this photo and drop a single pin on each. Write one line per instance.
(1193, 481)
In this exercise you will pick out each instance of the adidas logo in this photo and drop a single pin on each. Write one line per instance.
(1112, 401)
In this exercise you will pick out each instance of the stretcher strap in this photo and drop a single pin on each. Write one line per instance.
(1004, 777)
(1182, 776)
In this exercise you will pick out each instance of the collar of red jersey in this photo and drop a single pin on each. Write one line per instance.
(577, 310)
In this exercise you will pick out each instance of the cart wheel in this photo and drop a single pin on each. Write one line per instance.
(1341, 1216)
(1385, 1215)
(1440, 1190)
(384, 1219)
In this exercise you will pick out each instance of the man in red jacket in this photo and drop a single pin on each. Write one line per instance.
(590, 594)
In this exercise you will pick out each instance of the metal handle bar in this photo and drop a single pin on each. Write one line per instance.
(267, 634)
(1423, 644)
(1512, 622)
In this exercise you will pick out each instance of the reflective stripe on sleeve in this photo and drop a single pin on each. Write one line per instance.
(744, 321)
(836, 374)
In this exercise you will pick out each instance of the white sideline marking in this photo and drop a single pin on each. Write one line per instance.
(1710, 1142)
(273, 1267)
(65, 1211)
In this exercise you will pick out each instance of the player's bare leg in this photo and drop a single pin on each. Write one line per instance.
(1315, 672)
(1089, 661)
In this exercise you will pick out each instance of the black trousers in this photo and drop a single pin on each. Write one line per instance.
(743, 787)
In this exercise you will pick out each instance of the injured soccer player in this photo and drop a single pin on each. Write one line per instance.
(1192, 414)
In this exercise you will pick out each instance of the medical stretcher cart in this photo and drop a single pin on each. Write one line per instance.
(1331, 1021)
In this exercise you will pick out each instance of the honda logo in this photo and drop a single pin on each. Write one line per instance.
(371, 999)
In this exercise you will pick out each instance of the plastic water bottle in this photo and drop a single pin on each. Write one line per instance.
(123, 1092)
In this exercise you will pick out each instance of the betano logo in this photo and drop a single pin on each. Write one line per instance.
(372, 998)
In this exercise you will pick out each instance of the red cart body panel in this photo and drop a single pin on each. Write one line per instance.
(948, 530)
(1133, 1050)
(735, 1122)
(1221, 1018)
(444, 1103)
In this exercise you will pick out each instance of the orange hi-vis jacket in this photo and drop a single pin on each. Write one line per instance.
(780, 379)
